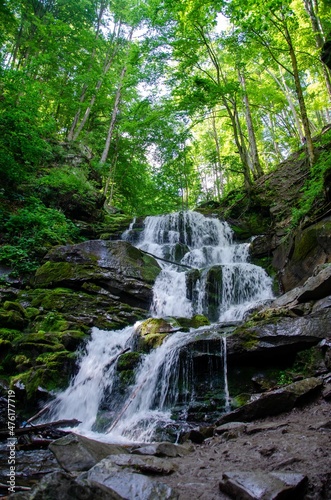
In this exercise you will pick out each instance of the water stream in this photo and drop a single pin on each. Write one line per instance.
(203, 272)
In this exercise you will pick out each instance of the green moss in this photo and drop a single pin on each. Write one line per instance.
(151, 341)
(240, 400)
(126, 378)
(53, 322)
(151, 270)
(154, 326)
(307, 362)
(128, 361)
(14, 306)
(195, 322)
(12, 319)
(31, 312)
(54, 272)
(9, 334)
(50, 371)
(247, 336)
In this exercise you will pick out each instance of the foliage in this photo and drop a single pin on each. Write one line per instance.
(30, 232)
(181, 104)
(313, 189)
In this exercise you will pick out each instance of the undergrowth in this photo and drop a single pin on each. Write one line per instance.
(313, 189)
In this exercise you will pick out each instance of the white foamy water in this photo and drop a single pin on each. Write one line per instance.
(219, 282)
(190, 239)
(82, 398)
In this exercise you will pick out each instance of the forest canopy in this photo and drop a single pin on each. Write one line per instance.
(167, 104)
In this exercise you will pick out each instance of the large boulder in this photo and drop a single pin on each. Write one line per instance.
(79, 453)
(115, 266)
(316, 287)
(127, 484)
(275, 402)
(279, 332)
(260, 485)
(296, 258)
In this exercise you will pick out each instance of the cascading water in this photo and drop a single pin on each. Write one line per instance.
(203, 272)
(222, 284)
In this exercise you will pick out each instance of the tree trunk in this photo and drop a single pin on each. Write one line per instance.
(302, 105)
(71, 135)
(249, 122)
(218, 169)
(118, 94)
(239, 140)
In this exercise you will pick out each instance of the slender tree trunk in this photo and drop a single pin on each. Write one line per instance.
(249, 122)
(111, 175)
(91, 103)
(70, 135)
(218, 169)
(118, 94)
(239, 140)
(282, 85)
(302, 105)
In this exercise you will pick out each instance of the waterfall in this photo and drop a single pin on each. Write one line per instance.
(223, 285)
(203, 271)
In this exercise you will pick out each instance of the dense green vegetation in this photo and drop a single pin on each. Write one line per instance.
(149, 107)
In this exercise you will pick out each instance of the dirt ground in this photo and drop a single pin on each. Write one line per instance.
(298, 441)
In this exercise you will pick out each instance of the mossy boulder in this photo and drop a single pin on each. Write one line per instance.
(128, 361)
(101, 267)
(12, 319)
(195, 321)
(153, 331)
(77, 310)
(49, 371)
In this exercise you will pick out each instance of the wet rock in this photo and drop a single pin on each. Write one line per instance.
(311, 247)
(152, 332)
(198, 435)
(316, 287)
(30, 465)
(162, 450)
(231, 429)
(79, 453)
(261, 246)
(275, 402)
(279, 333)
(128, 485)
(260, 485)
(62, 486)
(142, 464)
(115, 266)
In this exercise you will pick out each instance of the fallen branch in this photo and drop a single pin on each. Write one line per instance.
(134, 394)
(36, 428)
(37, 415)
(169, 261)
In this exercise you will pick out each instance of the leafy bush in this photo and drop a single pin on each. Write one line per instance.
(30, 232)
(66, 180)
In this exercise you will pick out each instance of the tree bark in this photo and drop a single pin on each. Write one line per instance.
(302, 105)
(249, 122)
(219, 173)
